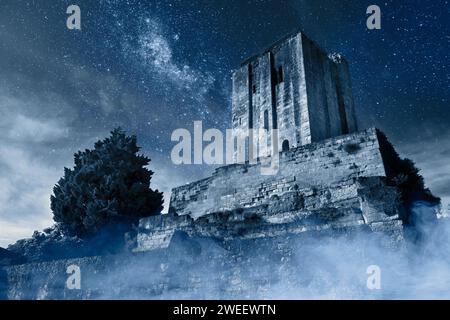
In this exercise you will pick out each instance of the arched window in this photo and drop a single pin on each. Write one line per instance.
(285, 146)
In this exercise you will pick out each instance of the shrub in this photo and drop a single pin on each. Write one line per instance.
(109, 184)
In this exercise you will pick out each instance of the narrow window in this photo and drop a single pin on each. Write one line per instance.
(280, 74)
(266, 120)
(254, 88)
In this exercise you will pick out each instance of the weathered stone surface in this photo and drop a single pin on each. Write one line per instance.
(348, 204)
(296, 88)
(188, 268)
(7, 258)
(302, 169)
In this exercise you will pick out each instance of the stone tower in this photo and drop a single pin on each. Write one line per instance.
(296, 88)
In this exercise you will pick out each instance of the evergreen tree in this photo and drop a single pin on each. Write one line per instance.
(107, 185)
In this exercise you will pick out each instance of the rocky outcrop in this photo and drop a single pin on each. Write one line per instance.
(53, 244)
(354, 203)
(187, 268)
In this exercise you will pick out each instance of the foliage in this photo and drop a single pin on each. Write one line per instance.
(107, 185)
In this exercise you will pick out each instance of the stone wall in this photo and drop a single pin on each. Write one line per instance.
(296, 88)
(330, 101)
(359, 202)
(301, 170)
(188, 268)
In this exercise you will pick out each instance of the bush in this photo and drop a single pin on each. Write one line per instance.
(54, 244)
(107, 185)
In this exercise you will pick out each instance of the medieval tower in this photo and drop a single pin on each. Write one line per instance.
(296, 88)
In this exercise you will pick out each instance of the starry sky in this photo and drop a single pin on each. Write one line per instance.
(154, 66)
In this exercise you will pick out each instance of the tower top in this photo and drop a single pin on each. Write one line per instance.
(297, 88)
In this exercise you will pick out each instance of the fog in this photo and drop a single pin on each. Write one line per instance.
(308, 267)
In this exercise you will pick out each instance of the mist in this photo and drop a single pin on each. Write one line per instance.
(330, 265)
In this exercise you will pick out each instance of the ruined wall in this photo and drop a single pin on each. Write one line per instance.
(338, 183)
(368, 202)
(303, 168)
(187, 268)
(214, 257)
(325, 191)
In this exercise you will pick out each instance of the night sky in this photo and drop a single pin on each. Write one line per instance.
(154, 66)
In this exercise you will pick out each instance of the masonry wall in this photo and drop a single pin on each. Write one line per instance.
(188, 268)
(291, 98)
(325, 119)
(352, 203)
(342, 79)
(296, 88)
(262, 94)
(306, 167)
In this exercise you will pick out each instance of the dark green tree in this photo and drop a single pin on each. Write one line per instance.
(108, 185)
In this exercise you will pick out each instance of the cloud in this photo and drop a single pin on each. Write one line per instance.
(168, 176)
(10, 231)
(432, 157)
(100, 91)
(24, 128)
(42, 124)
(31, 136)
(25, 186)
(39, 132)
